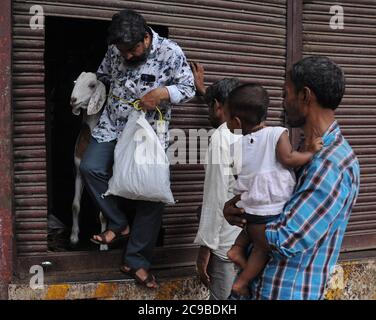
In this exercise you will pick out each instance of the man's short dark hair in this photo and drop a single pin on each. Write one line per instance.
(249, 102)
(220, 90)
(127, 27)
(325, 78)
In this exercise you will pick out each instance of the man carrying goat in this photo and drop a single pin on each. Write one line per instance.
(139, 64)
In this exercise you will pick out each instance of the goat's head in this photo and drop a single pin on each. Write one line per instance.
(88, 94)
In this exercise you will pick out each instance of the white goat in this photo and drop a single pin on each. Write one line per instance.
(88, 95)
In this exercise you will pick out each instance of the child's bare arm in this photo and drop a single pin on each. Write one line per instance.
(292, 159)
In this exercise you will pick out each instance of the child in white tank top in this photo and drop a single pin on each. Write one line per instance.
(265, 182)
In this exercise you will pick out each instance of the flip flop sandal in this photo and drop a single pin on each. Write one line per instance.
(144, 282)
(118, 236)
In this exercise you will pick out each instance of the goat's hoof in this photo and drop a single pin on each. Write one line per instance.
(73, 240)
(103, 247)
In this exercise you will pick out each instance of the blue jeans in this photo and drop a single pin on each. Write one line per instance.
(96, 171)
(222, 274)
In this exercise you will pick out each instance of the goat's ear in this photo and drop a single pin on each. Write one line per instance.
(82, 74)
(97, 99)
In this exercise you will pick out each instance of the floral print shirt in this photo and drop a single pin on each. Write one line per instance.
(166, 66)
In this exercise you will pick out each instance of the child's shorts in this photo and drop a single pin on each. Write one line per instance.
(254, 219)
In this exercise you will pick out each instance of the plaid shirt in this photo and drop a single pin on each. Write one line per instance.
(306, 240)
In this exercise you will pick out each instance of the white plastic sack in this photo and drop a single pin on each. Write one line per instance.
(141, 168)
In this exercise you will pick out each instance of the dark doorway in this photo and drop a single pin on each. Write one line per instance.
(71, 46)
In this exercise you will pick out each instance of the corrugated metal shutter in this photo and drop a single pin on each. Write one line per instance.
(30, 180)
(245, 39)
(354, 48)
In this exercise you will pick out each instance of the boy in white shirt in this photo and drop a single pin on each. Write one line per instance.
(215, 235)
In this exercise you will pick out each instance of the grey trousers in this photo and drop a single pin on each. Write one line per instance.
(222, 275)
(96, 170)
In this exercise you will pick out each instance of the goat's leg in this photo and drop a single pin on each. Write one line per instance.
(76, 204)
(103, 247)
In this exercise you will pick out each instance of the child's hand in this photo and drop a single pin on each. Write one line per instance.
(315, 146)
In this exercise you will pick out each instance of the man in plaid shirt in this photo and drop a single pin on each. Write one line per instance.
(304, 243)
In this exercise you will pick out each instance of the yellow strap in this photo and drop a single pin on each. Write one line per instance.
(135, 104)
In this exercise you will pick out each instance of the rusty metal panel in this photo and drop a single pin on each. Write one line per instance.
(232, 39)
(6, 199)
(353, 49)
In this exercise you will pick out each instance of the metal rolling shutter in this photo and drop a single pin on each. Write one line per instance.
(232, 39)
(245, 39)
(354, 48)
(30, 179)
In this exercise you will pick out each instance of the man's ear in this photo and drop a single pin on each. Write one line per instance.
(238, 123)
(307, 96)
(147, 38)
(97, 99)
(217, 107)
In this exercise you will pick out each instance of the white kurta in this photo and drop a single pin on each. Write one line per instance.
(214, 231)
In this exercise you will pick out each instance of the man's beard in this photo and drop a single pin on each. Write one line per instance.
(136, 61)
(214, 121)
(296, 123)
